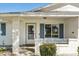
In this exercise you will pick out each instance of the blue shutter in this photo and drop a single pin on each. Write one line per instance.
(41, 30)
(61, 31)
(3, 28)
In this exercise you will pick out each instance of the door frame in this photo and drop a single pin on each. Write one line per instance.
(31, 41)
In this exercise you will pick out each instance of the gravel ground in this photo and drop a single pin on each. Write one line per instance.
(26, 52)
(6, 53)
(23, 52)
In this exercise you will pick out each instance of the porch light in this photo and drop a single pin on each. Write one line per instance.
(72, 32)
(44, 17)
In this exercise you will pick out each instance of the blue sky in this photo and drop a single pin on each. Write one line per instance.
(15, 7)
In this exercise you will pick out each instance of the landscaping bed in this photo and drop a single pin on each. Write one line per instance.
(23, 52)
(5, 51)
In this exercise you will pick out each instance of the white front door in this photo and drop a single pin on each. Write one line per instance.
(30, 33)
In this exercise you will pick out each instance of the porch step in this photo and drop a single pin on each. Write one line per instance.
(27, 45)
(27, 51)
(28, 48)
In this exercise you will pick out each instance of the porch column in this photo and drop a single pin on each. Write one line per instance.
(37, 38)
(78, 31)
(15, 36)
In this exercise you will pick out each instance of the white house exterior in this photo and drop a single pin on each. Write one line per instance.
(55, 23)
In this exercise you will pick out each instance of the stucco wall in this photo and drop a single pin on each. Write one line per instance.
(8, 37)
(71, 25)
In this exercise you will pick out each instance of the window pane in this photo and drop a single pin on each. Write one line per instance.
(41, 30)
(3, 29)
(55, 31)
(30, 32)
(0, 29)
(48, 30)
(61, 30)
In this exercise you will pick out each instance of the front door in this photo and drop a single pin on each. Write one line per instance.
(30, 33)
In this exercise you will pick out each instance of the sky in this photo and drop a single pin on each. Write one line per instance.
(16, 7)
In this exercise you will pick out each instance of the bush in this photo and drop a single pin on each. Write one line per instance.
(2, 49)
(48, 50)
(78, 50)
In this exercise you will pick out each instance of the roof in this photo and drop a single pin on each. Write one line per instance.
(55, 6)
(46, 10)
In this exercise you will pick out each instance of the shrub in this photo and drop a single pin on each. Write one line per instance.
(2, 49)
(48, 50)
(78, 50)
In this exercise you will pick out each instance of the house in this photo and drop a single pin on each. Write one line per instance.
(56, 23)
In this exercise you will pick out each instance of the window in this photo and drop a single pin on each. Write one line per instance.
(55, 30)
(30, 32)
(2, 29)
(48, 30)
(41, 30)
(51, 30)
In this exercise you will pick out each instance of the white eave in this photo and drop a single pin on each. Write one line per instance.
(44, 14)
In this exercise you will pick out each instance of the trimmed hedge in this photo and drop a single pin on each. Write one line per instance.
(48, 50)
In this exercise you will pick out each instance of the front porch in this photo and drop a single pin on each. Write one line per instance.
(37, 30)
(68, 35)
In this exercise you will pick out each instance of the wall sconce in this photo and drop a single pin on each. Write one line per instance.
(44, 17)
(72, 32)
